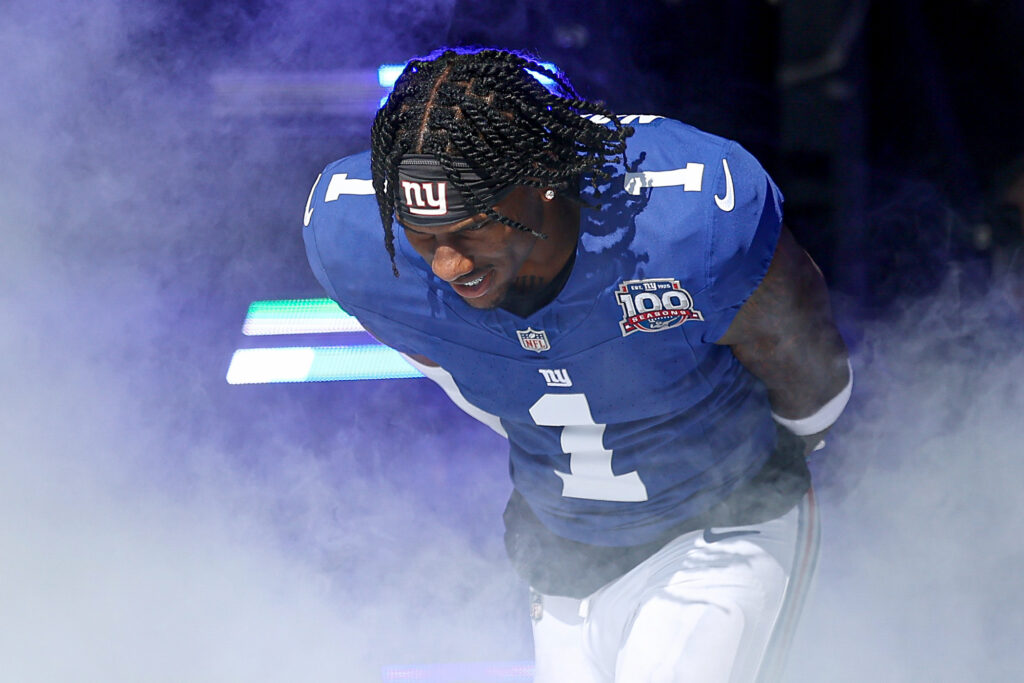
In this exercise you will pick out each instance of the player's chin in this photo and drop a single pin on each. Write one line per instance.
(494, 298)
(484, 302)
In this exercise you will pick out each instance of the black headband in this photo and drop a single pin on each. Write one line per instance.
(426, 196)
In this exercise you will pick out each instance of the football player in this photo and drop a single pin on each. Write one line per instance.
(619, 297)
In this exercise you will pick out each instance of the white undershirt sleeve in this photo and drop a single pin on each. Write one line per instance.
(824, 417)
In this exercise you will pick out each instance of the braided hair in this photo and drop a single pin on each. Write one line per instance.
(486, 108)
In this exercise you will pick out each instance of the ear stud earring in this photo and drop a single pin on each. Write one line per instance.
(549, 194)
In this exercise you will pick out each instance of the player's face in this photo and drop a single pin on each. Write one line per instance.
(479, 257)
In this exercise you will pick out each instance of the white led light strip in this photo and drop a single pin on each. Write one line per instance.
(387, 74)
(317, 364)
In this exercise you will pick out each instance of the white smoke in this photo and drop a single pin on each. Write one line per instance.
(158, 524)
(922, 515)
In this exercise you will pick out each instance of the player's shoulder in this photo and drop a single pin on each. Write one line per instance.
(358, 163)
(689, 169)
(658, 141)
(341, 198)
(342, 202)
(342, 225)
(343, 186)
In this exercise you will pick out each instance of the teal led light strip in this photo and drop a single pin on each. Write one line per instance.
(297, 316)
(317, 364)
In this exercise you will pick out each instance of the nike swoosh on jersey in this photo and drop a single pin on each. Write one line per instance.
(711, 537)
(728, 202)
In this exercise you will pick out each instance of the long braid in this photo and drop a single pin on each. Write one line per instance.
(488, 109)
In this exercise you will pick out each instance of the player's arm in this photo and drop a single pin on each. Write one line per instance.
(785, 336)
(444, 379)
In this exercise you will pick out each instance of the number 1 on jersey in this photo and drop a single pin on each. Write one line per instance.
(590, 463)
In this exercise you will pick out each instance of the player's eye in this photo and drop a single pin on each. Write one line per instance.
(478, 226)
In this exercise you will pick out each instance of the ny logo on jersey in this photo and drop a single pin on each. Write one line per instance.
(426, 199)
(654, 305)
(533, 340)
(556, 378)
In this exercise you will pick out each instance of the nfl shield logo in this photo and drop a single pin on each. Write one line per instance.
(533, 340)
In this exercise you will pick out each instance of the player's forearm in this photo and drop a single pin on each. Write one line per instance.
(443, 378)
(809, 382)
(803, 372)
(785, 336)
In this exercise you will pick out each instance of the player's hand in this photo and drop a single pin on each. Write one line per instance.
(813, 442)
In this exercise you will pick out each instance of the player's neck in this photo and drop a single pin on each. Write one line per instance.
(544, 274)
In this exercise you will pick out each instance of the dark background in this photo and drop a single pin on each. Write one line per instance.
(889, 126)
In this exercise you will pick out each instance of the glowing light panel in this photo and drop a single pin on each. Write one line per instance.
(317, 364)
(262, 366)
(387, 74)
(546, 81)
(297, 316)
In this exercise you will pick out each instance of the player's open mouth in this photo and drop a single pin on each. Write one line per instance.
(477, 287)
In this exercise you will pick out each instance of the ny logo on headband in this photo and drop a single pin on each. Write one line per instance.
(426, 199)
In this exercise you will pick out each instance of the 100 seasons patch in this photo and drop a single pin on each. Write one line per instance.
(654, 305)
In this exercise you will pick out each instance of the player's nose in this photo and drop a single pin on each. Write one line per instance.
(449, 263)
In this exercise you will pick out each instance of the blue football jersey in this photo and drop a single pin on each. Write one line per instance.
(623, 416)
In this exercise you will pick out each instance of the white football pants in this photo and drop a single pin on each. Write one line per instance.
(712, 606)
